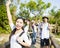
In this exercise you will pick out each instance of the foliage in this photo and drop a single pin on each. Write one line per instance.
(40, 7)
(32, 5)
(25, 10)
(51, 20)
(56, 15)
(1, 2)
(4, 26)
(36, 8)
(3, 20)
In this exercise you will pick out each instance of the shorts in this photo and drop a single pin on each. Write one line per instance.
(45, 42)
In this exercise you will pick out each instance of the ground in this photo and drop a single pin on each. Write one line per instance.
(4, 38)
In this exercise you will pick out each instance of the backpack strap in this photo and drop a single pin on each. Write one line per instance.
(21, 34)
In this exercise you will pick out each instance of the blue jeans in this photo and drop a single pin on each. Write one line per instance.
(34, 38)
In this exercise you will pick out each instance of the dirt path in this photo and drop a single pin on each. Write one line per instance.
(4, 38)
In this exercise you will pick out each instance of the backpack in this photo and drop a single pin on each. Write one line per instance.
(23, 40)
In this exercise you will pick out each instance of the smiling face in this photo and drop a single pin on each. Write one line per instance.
(19, 24)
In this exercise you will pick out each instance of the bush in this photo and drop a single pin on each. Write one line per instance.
(5, 31)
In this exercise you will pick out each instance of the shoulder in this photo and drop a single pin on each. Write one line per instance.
(48, 24)
(24, 34)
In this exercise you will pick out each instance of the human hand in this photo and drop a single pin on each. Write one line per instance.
(8, 3)
(19, 39)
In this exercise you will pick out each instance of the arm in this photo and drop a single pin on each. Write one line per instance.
(8, 12)
(49, 26)
(9, 15)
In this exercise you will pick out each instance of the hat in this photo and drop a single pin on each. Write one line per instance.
(45, 17)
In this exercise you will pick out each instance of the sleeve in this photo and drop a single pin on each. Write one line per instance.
(12, 26)
(26, 39)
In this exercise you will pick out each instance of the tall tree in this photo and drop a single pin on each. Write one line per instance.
(56, 15)
(36, 8)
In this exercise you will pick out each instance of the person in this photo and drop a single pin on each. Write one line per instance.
(34, 30)
(44, 32)
(27, 28)
(17, 41)
(27, 25)
(38, 28)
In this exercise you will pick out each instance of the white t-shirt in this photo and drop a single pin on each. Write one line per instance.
(45, 31)
(13, 42)
(26, 29)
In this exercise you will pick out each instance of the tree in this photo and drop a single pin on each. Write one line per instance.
(24, 12)
(3, 18)
(4, 27)
(1, 2)
(40, 6)
(51, 20)
(36, 8)
(56, 15)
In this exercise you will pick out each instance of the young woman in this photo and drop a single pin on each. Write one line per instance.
(34, 30)
(17, 41)
(27, 28)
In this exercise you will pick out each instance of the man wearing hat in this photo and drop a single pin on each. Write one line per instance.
(44, 32)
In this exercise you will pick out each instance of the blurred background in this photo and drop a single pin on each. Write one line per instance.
(31, 9)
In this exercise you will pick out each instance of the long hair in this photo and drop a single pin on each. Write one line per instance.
(14, 30)
(12, 33)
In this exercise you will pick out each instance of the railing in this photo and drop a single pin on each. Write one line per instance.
(54, 43)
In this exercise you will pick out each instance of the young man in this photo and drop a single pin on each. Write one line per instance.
(44, 32)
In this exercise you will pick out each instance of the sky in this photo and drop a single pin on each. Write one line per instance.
(54, 3)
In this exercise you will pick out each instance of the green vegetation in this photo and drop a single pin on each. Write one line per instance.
(58, 35)
(25, 10)
(33, 7)
(55, 15)
(4, 27)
